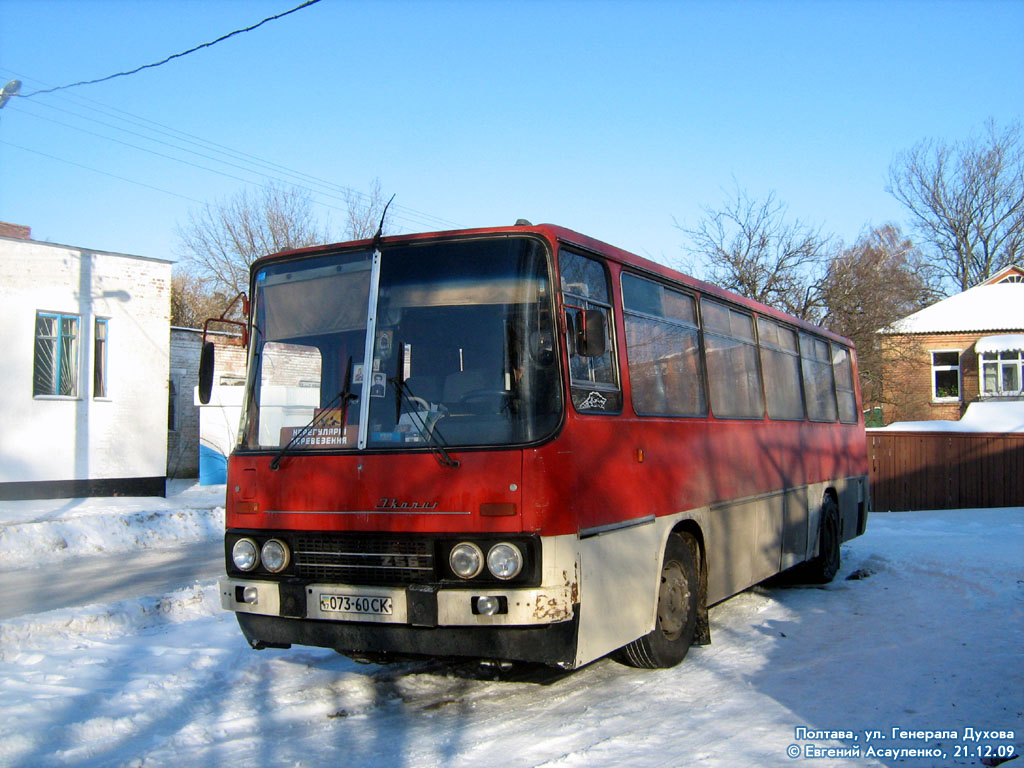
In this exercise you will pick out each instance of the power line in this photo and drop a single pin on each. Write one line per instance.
(245, 162)
(97, 170)
(172, 56)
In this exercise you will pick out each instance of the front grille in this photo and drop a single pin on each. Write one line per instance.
(373, 560)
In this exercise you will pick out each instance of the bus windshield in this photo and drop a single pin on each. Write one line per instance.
(462, 352)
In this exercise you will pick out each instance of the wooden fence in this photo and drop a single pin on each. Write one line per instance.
(945, 470)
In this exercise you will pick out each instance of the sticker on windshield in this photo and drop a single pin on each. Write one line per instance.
(378, 384)
(384, 344)
(595, 402)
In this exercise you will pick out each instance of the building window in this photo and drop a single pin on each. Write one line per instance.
(1001, 374)
(172, 404)
(945, 376)
(55, 370)
(99, 358)
(1014, 278)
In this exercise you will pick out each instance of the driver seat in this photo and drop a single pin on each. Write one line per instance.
(458, 384)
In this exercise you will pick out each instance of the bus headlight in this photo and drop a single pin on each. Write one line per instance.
(505, 561)
(466, 560)
(275, 556)
(244, 555)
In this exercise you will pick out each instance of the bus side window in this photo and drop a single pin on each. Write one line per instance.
(594, 376)
(844, 384)
(819, 379)
(734, 373)
(780, 359)
(663, 349)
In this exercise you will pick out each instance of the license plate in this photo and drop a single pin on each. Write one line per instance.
(365, 604)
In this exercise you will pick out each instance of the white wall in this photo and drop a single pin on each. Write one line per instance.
(123, 435)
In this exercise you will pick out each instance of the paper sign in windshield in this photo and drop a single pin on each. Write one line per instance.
(326, 432)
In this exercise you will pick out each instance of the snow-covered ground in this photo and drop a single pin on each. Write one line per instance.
(50, 531)
(930, 637)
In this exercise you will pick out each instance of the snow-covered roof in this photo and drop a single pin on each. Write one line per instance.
(998, 307)
(1006, 342)
(986, 416)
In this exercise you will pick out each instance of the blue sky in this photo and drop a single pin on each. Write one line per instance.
(618, 119)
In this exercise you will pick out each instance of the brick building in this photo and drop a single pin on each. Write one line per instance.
(84, 379)
(967, 348)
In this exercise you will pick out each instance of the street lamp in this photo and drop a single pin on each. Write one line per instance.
(11, 89)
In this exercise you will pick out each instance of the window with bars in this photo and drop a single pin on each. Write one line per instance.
(55, 368)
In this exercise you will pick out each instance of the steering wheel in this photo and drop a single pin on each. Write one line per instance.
(419, 402)
(481, 394)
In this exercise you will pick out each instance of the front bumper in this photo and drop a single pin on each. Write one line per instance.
(419, 605)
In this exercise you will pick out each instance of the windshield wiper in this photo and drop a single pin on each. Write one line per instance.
(345, 396)
(437, 444)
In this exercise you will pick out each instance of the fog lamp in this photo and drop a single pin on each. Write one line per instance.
(245, 555)
(487, 606)
(505, 561)
(250, 595)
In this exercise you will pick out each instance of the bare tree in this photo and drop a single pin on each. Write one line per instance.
(966, 201)
(879, 279)
(364, 212)
(192, 300)
(221, 240)
(749, 247)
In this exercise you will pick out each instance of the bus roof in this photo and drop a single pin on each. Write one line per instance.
(557, 234)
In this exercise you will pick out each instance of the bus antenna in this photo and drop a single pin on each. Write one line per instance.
(380, 227)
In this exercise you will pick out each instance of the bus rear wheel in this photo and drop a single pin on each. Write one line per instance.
(666, 645)
(823, 568)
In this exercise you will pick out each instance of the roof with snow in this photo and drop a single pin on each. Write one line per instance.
(985, 417)
(1006, 342)
(998, 307)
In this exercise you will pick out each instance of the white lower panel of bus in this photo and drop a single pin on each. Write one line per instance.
(339, 602)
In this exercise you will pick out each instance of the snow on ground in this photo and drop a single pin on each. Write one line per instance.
(49, 531)
(930, 638)
(980, 417)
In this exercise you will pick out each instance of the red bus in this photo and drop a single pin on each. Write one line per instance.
(521, 443)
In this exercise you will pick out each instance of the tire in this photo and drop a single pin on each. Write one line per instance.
(666, 645)
(824, 567)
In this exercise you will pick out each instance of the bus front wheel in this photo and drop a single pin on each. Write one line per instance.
(666, 645)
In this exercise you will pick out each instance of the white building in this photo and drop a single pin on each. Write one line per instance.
(83, 386)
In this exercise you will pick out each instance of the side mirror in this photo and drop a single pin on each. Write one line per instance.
(206, 372)
(206, 355)
(590, 333)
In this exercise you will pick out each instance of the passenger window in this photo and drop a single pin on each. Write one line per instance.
(734, 376)
(843, 367)
(663, 350)
(589, 327)
(819, 383)
(780, 359)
